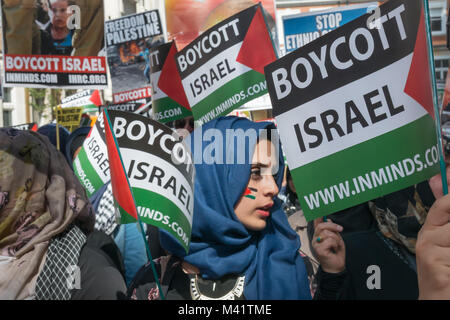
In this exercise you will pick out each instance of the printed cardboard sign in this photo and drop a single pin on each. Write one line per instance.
(69, 117)
(132, 107)
(355, 111)
(53, 44)
(301, 29)
(223, 68)
(91, 166)
(160, 171)
(88, 99)
(128, 41)
(165, 109)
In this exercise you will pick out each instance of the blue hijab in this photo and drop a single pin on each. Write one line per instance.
(49, 131)
(75, 140)
(221, 245)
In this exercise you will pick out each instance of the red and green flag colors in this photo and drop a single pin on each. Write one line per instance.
(223, 68)
(91, 166)
(248, 193)
(355, 112)
(122, 192)
(123, 195)
(90, 100)
(163, 72)
(160, 172)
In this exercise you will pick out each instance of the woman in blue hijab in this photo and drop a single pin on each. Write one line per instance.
(242, 246)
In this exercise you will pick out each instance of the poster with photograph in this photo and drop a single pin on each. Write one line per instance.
(53, 44)
(187, 19)
(128, 43)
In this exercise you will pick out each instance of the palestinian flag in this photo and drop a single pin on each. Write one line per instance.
(96, 99)
(248, 194)
(223, 68)
(169, 100)
(123, 195)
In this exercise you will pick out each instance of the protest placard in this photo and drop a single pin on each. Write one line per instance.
(53, 44)
(132, 107)
(160, 172)
(301, 29)
(165, 109)
(129, 40)
(355, 111)
(28, 126)
(223, 68)
(90, 100)
(91, 166)
(69, 117)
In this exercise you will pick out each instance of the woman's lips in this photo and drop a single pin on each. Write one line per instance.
(264, 213)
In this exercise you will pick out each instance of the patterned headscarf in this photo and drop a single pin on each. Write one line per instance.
(40, 198)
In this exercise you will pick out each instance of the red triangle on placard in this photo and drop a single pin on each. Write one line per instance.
(418, 86)
(257, 48)
(170, 80)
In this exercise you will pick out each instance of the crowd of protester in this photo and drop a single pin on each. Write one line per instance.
(393, 247)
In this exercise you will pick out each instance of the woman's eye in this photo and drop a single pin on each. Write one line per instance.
(256, 173)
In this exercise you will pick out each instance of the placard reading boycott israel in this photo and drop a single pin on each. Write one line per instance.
(160, 171)
(164, 108)
(132, 107)
(88, 99)
(54, 44)
(355, 112)
(219, 68)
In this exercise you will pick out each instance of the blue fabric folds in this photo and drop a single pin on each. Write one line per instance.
(220, 244)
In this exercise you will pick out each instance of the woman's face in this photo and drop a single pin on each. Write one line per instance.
(253, 209)
(60, 15)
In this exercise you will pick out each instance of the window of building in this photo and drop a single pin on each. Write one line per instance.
(438, 15)
(7, 118)
(7, 95)
(129, 7)
(441, 67)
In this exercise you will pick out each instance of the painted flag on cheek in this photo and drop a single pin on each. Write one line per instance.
(248, 194)
(123, 195)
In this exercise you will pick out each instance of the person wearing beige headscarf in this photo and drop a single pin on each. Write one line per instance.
(45, 219)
